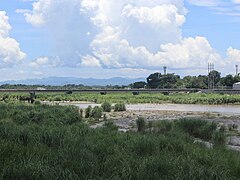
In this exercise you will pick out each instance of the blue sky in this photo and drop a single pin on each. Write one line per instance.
(109, 38)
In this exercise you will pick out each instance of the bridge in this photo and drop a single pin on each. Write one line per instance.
(218, 91)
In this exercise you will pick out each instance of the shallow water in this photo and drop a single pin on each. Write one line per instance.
(222, 109)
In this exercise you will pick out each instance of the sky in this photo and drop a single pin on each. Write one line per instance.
(117, 38)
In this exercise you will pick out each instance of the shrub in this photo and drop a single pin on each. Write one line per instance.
(163, 126)
(197, 128)
(119, 107)
(57, 98)
(81, 113)
(37, 103)
(219, 139)
(150, 126)
(68, 92)
(141, 124)
(106, 106)
(96, 112)
(88, 112)
(111, 126)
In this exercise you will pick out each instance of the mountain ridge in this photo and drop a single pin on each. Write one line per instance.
(60, 81)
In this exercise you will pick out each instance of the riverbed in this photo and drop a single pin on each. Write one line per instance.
(222, 109)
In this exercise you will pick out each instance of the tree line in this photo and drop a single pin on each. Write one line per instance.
(153, 81)
(160, 81)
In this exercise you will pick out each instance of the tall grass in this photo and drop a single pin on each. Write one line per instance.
(60, 148)
(197, 128)
(129, 98)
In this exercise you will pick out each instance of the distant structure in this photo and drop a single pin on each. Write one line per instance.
(165, 70)
(41, 89)
(211, 79)
(236, 70)
(236, 86)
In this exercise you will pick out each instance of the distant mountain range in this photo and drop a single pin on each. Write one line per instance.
(60, 81)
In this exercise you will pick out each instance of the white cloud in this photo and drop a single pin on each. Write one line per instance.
(207, 3)
(165, 15)
(4, 25)
(190, 52)
(89, 61)
(22, 11)
(46, 61)
(10, 52)
(236, 1)
(233, 55)
(219, 7)
(40, 62)
(21, 72)
(126, 34)
(38, 73)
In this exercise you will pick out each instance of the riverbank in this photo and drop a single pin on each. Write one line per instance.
(129, 98)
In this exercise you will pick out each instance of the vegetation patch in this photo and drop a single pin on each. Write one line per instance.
(106, 106)
(119, 107)
(51, 142)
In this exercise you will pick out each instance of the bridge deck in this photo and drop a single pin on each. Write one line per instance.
(121, 90)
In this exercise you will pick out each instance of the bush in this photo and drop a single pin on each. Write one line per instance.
(37, 103)
(57, 98)
(111, 126)
(81, 113)
(96, 112)
(219, 139)
(163, 126)
(119, 107)
(141, 124)
(88, 112)
(68, 92)
(106, 106)
(197, 128)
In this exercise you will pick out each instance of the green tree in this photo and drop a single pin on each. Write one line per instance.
(106, 106)
(236, 79)
(139, 85)
(227, 81)
(216, 76)
(153, 80)
(157, 80)
(195, 82)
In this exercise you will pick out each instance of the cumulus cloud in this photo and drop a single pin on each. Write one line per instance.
(122, 34)
(90, 61)
(10, 52)
(165, 15)
(46, 61)
(233, 55)
(189, 52)
(40, 62)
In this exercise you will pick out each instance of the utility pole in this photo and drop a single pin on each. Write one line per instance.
(165, 70)
(211, 78)
(236, 70)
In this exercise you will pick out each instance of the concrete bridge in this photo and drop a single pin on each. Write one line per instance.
(218, 91)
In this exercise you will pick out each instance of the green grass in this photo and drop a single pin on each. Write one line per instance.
(129, 98)
(59, 146)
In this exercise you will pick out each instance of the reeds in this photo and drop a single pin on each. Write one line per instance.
(53, 143)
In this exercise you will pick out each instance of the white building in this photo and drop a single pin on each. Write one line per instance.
(41, 89)
(236, 85)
